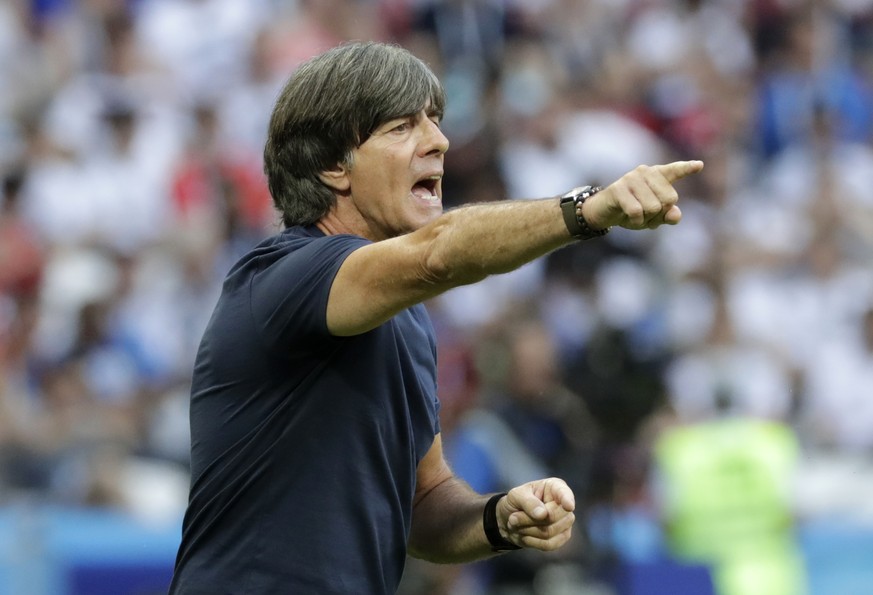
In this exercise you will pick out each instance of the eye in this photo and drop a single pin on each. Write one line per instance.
(401, 127)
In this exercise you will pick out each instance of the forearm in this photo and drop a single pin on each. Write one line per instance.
(469, 243)
(447, 525)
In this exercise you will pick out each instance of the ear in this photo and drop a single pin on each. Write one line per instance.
(336, 178)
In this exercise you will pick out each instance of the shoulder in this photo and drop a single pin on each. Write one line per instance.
(295, 239)
(305, 244)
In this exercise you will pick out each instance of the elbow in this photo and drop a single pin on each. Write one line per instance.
(442, 274)
(445, 264)
(417, 552)
(420, 548)
(428, 555)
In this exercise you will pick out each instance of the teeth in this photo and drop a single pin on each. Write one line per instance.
(427, 194)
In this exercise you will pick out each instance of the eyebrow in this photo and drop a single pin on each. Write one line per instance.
(410, 116)
(431, 110)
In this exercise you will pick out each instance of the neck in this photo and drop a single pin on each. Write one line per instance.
(335, 222)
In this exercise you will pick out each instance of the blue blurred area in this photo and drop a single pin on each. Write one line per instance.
(65, 551)
(839, 555)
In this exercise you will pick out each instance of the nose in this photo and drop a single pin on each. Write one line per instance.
(435, 142)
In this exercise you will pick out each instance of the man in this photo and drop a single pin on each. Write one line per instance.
(316, 457)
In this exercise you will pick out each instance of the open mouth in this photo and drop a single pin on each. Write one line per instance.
(426, 188)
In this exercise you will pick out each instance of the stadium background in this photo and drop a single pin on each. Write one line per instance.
(130, 141)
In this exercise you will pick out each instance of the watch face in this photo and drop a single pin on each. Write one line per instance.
(586, 191)
(577, 191)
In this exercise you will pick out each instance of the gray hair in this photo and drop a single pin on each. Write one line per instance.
(331, 105)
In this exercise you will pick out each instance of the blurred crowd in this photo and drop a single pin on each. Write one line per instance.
(131, 134)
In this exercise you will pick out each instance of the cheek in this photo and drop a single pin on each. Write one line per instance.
(383, 178)
(372, 183)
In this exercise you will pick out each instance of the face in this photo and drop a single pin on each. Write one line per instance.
(395, 179)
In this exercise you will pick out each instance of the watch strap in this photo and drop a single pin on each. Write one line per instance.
(492, 531)
(571, 209)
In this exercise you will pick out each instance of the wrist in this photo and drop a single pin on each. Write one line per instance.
(573, 211)
(492, 528)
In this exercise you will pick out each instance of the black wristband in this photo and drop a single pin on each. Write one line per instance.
(492, 532)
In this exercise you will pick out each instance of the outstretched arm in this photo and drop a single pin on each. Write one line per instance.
(447, 519)
(467, 244)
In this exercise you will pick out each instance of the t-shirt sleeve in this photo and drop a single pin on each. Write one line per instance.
(289, 296)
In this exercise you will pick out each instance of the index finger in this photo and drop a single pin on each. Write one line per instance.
(679, 169)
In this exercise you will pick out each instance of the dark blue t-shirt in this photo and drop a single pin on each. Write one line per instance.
(304, 445)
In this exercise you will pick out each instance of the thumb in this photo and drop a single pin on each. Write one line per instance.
(557, 490)
(527, 502)
(679, 169)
